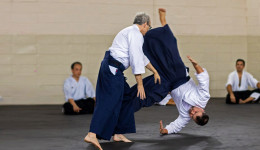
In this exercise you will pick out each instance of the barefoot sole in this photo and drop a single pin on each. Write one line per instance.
(91, 143)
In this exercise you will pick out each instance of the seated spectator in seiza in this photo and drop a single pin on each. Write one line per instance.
(79, 93)
(237, 86)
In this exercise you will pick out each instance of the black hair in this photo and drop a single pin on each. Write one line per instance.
(202, 120)
(75, 63)
(244, 63)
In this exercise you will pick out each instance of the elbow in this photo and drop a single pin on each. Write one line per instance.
(228, 87)
(258, 85)
(207, 96)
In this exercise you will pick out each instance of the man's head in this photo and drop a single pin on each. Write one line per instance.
(198, 115)
(240, 65)
(143, 21)
(76, 69)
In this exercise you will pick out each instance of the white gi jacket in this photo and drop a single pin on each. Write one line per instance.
(246, 80)
(188, 95)
(127, 48)
(78, 90)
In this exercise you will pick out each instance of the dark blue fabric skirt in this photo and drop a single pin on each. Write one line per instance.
(160, 47)
(112, 114)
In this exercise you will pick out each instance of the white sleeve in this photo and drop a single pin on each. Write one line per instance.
(165, 100)
(252, 81)
(203, 87)
(146, 61)
(230, 80)
(90, 92)
(177, 125)
(138, 60)
(255, 95)
(67, 90)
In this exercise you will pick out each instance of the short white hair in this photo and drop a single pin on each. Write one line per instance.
(141, 18)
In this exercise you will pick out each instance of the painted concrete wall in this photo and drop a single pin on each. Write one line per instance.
(39, 39)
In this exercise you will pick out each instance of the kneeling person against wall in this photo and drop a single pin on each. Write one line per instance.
(79, 93)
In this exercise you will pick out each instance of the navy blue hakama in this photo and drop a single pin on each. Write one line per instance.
(160, 47)
(113, 114)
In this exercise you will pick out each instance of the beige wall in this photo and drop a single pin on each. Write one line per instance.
(39, 39)
(189, 17)
(253, 40)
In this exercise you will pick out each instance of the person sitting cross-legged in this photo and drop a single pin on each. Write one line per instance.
(79, 93)
(237, 86)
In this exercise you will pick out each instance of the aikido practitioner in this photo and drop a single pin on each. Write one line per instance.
(79, 93)
(160, 47)
(237, 86)
(114, 116)
(190, 99)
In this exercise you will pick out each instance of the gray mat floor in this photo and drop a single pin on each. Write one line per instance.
(45, 128)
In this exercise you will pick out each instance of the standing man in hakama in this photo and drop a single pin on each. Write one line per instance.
(114, 115)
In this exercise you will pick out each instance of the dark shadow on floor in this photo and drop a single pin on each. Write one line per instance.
(177, 141)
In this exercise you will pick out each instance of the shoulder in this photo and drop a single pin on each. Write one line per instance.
(86, 80)
(247, 73)
(232, 73)
(124, 32)
(135, 32)
(68, 81)
(83, 78)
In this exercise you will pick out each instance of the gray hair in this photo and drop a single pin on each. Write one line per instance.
(141, 18)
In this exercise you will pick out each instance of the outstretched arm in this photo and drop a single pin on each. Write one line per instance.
(175, 126)
(195, 65)
(162, 14)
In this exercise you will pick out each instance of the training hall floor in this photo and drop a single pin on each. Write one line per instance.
(43, 127)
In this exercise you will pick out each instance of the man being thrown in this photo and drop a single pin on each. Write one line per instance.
(114, 115)
(190, 99)
(160, 47)
(79, 93)
(237, 86)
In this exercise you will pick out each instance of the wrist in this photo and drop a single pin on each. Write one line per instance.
(195, 64)
(140, 85)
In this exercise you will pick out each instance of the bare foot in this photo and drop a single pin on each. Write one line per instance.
(163, 131)
(120, 138)
(91, 138)
(162, 14)
(241, 101)
(171, 102)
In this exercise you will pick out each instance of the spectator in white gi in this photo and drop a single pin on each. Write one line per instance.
(237, 86)
(79, 93)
